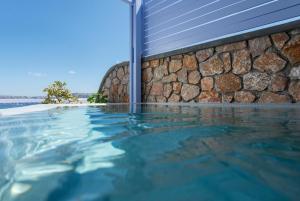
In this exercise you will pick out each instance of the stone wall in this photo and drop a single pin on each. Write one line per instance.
(259, 70)
(115, 83)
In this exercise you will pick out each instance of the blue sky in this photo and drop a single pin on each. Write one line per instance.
(70, 40)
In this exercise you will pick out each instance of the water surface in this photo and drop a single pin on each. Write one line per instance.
(13, 105)
(159, 153)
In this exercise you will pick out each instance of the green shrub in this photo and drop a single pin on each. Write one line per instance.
(58, 93)
(97, 98)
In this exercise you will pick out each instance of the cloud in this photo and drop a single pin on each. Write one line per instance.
(36, 74)
(72, 72)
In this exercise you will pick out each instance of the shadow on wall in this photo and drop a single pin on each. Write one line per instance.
(115, 83)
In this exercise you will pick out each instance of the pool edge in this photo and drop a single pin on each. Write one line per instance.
(43, 107)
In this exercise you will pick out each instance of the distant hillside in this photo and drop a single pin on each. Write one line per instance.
(79, 95)
(20, 97)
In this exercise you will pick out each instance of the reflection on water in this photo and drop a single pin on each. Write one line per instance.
(161, 153)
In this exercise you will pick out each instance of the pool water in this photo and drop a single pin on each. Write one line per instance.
(159, 153)
(13, 105)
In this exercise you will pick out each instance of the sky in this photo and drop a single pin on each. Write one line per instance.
(75, 41)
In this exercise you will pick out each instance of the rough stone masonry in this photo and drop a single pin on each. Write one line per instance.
(115, 83)
(259, 70)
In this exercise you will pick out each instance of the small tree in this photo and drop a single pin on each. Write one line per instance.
(58, 93)
(97, 98)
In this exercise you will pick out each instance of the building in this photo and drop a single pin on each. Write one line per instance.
(215, 51)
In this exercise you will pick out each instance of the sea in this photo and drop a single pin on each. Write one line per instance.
(12, 103)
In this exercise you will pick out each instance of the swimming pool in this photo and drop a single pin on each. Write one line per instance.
(13, 105)
(176, 153)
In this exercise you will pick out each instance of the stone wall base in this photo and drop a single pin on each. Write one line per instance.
(259, 70)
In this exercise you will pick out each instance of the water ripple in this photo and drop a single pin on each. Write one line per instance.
(161, 153)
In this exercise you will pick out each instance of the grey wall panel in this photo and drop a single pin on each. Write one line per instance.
(175, 24)
(201, 17)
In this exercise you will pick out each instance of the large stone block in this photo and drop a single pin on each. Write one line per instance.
(280, 39)
(256, 81)
(170, 78)
(194, 77)
(227, 98)
(226, 58)
(188, 92)
(241, 62)
(294, 90)
(244, 97)
(146, 64)
(154, 63)
(209, 97)
(269, 62)
(292, 50)
(278, 82)
(160, 72)
(259, 45)
(228, 83)
(157, 89)
(161, 99)
(213, 66)
(175, 65)
(167, 90)
(182, 75)
(120, 73)
(174, 98)
(125, 79)
(177, 87)
(270, 97)
(207, 83)
(232, 47)
(203, 55)
(116, 81)
(107, 83)
(147, 75)
(190, 62)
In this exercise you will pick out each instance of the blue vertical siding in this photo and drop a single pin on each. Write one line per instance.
(169, 25)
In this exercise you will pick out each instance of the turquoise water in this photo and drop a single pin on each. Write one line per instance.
(161, 153)
(13, 105)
